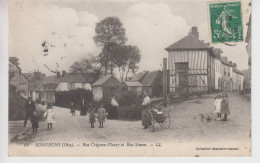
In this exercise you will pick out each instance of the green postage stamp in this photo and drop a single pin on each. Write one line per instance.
(225, 22)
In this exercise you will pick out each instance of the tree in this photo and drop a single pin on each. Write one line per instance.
(15, 61)
(126, 59)
(109, 33)
(90, 66)
(13, 69)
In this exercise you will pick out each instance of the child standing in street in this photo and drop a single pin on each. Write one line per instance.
(218, 101)
(72, 109)
(101, 116)
(92, 117)
(50, 117)
(35, 121)
(225, 106)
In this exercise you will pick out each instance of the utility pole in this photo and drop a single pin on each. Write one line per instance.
(165, 85)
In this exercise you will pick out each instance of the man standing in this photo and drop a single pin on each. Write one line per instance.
(29, 108)
(145, 114)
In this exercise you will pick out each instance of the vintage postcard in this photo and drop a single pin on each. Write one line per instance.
(129, 78)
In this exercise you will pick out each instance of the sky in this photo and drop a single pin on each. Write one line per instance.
(69, 26)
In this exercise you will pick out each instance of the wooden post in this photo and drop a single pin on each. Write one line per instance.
(164, 82)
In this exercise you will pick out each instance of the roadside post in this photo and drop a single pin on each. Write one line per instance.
(165, 82)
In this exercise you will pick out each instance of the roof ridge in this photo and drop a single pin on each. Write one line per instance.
(149, 77)
(199, 40)
(188, 42)
(175, 42)
(103, 79)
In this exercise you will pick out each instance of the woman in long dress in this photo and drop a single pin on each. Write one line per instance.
(83, 108)
(145, 111)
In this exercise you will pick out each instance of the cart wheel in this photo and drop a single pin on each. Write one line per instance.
(151, 127)
(167, 121)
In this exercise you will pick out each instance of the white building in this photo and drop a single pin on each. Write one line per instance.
(45, 90)
(238, 79)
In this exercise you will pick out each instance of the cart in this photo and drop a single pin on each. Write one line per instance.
(159, 115)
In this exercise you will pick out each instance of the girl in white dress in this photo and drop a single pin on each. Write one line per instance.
(49, 113)
(218, 101)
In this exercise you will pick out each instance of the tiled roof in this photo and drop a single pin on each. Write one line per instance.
(68, 77)
(32, 77)
(74, 77)
(188, 42)
(27, 75)
(133, 84)
(50, 79)
(237, 71)
(217, 52)
(12, 67)
(49, 87)
(104, 79)
(224, 61)
(37, 86)
(140, 76)
(149, 78)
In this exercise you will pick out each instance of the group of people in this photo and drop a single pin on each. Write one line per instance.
(31, 114)
(222, 106)
(83, 108)
(101, 116)
(101, 112)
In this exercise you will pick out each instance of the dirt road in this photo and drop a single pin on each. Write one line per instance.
(191, 121)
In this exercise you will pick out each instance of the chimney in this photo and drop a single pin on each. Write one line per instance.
(37, 75)
(235, 65)
(230, 62)
(63, 73)
(194, 32)
(58, 75)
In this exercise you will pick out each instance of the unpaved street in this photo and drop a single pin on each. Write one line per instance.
(191, 121)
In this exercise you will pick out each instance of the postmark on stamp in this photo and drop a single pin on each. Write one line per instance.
(225, 22)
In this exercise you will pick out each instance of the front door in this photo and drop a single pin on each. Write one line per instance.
(184, 84)
(183, 78)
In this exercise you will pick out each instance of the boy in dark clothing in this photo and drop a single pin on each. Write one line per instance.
(92, 117)
(72, 109)
(29, 108)
(35, 121)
